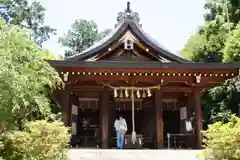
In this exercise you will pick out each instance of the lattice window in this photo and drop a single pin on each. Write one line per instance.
(169, 104)
(126, 104)
(88, 103)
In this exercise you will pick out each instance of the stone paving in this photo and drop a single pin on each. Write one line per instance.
(100, 154)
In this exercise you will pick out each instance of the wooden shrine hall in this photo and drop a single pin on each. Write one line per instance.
(128, 64)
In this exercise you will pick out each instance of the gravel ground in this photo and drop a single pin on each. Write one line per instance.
(98, 154)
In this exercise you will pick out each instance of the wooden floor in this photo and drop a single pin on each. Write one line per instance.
(112, 154)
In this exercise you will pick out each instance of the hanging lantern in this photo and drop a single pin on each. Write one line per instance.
(65, 77)
(126, 93)
(121, 94)
(198, 79)
(144, 94)
(149, 93)
(138, 94)
(115, 93)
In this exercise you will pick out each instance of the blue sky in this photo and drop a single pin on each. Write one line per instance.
(170, 22)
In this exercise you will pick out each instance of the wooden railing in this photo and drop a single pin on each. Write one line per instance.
(177, 141)
(85, 141)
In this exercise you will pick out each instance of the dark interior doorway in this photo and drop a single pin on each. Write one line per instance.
(171, 119)
(88, 128)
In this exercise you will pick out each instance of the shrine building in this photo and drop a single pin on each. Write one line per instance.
(128, 72)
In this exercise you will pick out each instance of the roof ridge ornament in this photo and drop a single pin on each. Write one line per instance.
(127, 14)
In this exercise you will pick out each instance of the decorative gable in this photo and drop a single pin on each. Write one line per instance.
(127, 42)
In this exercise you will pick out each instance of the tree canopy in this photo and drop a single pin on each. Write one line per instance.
(27, 15)
(26, 78)
(221, 19)
(207, 43)
(218, 40)
(82, 35)
(231, 51)
(229, 9)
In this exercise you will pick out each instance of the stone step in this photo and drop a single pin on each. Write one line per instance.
(113, 154)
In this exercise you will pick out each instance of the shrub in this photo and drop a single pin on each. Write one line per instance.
(26, 79)
(39, 140)
(222, 141)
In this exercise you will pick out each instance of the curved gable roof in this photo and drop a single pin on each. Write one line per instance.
(127, 23)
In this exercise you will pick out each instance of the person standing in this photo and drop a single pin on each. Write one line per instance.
(121, 128)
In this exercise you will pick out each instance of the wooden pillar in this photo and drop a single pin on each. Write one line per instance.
(69, 109)
(61, 98)
(66, 107)
(104, 117)
(65, 118)
(74, 113)
(189, 106)
(197, 97)
(159, 119)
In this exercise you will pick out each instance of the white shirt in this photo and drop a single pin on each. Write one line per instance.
(120, 124)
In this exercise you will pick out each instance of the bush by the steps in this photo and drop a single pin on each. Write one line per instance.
(39, 140)
(222, 141)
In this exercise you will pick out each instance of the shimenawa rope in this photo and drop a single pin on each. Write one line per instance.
(134, 135)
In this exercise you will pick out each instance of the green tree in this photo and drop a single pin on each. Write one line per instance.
(81, 36)
(195, 47)
(26, 78)
(232, 46)
(229, 9)
(221, 18)
(103, 34)
(217, 41)
(206, 45)
(27, 15)
(218, 102)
